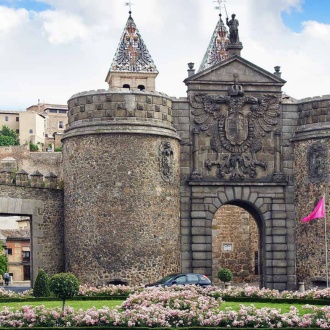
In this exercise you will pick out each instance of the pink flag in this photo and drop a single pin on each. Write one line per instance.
(319, 212)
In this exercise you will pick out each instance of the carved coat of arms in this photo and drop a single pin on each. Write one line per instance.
(166, 161)
(317, 154)
(236, 124)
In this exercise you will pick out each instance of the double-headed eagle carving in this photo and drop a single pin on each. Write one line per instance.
(236, 124)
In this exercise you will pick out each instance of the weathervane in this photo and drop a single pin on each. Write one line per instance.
(130, 4)
(221, 4)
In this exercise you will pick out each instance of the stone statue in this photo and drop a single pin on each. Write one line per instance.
(233, 29)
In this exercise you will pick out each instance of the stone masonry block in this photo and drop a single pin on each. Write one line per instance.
(279, 239)
(246, 193)
(198, 231)
(229, 193)
(202, 263)
(198, 223)
(198, 214)
(201, 247)
(238, 192)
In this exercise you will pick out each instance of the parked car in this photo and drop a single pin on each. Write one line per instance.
(182, 279)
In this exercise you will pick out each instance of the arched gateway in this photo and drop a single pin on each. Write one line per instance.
(144, 174)
(236, 150)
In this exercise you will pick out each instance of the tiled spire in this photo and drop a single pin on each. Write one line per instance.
(132, 54)
(216, 51)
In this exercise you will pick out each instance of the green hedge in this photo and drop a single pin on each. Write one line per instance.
(279, 300)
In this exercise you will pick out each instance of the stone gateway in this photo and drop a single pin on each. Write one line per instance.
(150, 185)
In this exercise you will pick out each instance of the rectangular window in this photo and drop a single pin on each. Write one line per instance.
(52, 110)
(26, 255)
(26, 273)
(6, 118)
(60, 124)
(17, 118)
(17, 131)
(9, 251)
(62, 111)
(31, 131)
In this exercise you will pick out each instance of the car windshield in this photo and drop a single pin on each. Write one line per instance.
(165, 279)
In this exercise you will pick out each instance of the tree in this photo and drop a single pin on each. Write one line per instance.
(64, 286)
(3, 261)
(41, 285)
(8, 137)
(225, 275)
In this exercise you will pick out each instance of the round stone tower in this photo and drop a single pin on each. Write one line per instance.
(121, 176)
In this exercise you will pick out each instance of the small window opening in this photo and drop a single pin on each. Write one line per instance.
(141, 87)
(126, 86)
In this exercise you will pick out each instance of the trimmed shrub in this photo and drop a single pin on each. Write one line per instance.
(64, 286)
(225, 275)
(41, 285)
(33, 147)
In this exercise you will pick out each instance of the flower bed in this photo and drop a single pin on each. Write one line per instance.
(187, 306)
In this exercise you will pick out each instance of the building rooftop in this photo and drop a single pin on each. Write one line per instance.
(216, 51)
(15, 233)
(132, 54)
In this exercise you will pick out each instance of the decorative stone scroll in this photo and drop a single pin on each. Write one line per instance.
(236, 124)
(316, 157)
(166, 161)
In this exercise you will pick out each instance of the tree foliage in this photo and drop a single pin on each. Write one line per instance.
(8, 137)
(3, 261)
(33, 147)
(41, 285)
(64, 286)
(225, 275)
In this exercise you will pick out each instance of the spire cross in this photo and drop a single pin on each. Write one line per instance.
(130, 4)
(221, 3)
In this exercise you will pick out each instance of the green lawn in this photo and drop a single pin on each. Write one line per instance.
(86, 304)
(284, 307)
(76, 304)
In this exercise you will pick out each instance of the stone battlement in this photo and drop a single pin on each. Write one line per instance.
(314, 110)
(120, 104)
(35, 179)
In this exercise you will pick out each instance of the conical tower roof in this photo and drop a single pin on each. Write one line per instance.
(216, 51)
(132, 54)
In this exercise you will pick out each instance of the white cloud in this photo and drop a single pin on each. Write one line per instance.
(67, 49)
(11, 18)
(62, 27)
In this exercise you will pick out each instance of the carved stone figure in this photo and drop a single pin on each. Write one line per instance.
(233, 29)
(317, 162)
(237, 132)
(166, 161)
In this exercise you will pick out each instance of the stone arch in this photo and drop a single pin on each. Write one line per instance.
(260, 203)
(33, 209)
(245, 220)
(254, 204)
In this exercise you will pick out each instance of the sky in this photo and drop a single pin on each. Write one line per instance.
(52, 49)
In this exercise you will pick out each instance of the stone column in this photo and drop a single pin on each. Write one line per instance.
(196, 174)
(278, 172)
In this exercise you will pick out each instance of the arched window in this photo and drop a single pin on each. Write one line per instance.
(126, 86)
(141, 87)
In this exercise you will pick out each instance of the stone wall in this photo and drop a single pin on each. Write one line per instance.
(121, 173)
(44, 162)
(119, 104)
(45, 208)
(311, 182)
(235, 243)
